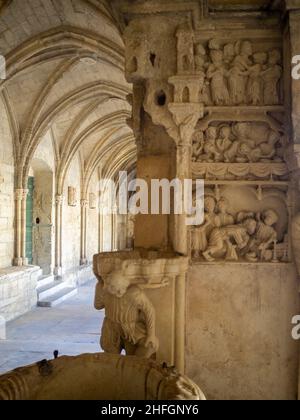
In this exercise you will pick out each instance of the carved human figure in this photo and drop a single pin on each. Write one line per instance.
(228, 240)
(202, 233)
(224, 216)
(224, 142)
(271, 78)
(185, 49)
(216, 73)
(211, 153)
(200, 58)
(229, 53)
(129, 322)
(198, 145)
(238, 73)
(255, 87)
(265, 236)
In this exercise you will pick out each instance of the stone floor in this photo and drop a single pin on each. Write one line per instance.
(71, 328)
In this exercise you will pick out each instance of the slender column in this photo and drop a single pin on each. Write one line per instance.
(183, 173)
(180, 295)
(83, 233)
(23, 222)
(100, 236)
(58, 235)
(18, 261)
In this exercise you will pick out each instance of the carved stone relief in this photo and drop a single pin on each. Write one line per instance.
(243, 224)
(239, 142)
(129, 322)
(234, 74)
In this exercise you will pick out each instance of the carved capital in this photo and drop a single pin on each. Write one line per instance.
(59, 200)
(19, 195)
(84, 203)
(186, 117)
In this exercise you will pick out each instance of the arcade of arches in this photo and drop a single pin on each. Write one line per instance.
(159, 89)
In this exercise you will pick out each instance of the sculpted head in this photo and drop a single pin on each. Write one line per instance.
(246, 48)
(250, 225)
(116, 284)
(270, 217)
(209, 204)
(225, 132)
(274, 57)
(211, 133)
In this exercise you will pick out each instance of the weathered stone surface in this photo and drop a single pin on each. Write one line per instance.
(239, 343)
(97, 377)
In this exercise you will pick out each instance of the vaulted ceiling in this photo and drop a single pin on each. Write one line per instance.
(65, 74)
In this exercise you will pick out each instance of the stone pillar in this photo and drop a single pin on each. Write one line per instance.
(293, 6)
(100, 240)
(180, 297)
(18, 261)
(83, 231)
(23, 221)
(58, 234)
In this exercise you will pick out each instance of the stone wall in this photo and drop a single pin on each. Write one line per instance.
(18, 291)
(93, 220)
(239, 343)
(6, 191)
(71, 219)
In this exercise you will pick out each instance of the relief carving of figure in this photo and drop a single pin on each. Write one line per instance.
(129, 322)
(224, 143)
(271, 78)
(211, 153)
(238, 73)
(202, 233)
(217, 73)
(198, 145)
(227, 241)
(225, 218)
(265, 237)
(255, 87)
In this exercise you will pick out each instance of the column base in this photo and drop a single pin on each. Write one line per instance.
(25, 261)
(57, 271)
(18, 262)
(83, 261)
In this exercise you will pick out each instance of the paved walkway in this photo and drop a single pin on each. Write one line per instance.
(72, 328)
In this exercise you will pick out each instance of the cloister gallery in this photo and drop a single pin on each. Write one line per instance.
(97, 91)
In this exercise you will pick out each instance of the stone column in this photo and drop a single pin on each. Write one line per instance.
(23, 221)
(18, 261)
(83, 231)
(293, 6)
(100, 236)
(180, 296)
(58, 234)
(183, 172)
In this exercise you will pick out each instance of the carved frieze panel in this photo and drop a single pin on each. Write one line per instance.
(238, 73)
(238, 142)
(244, 223)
